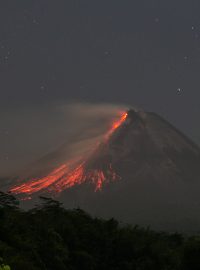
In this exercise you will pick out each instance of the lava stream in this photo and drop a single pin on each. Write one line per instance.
(116, 124)
(72, 173)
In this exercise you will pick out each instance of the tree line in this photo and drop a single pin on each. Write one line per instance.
(50, 237)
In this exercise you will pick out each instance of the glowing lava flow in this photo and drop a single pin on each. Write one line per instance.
(80, 175)
(116, 124)
(36, 185)
(72, 173)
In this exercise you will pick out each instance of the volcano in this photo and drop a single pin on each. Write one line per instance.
(142, 171)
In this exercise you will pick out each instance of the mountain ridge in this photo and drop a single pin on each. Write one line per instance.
(144, 171)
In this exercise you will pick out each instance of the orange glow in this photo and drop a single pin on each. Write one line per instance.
(116, 124)
(72, 173)
(63, 178)
(36, 185)
(80, 175)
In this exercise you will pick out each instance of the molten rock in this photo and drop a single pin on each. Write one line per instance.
(143, 171)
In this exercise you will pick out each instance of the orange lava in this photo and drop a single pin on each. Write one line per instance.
(72, 173)
(36, 185)
(80, 175)
(116, 124)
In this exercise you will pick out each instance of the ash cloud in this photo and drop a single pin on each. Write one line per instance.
(28, 134)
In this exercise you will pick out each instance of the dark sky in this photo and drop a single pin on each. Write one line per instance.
(144, 53)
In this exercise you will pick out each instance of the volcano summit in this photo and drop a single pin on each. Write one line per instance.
(143, 171)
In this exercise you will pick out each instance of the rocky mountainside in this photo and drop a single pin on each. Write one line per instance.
(157, 176)
(145, 172)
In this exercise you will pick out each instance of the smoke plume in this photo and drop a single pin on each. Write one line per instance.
(28, 134)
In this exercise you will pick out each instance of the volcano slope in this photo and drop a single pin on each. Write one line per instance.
(145, 172)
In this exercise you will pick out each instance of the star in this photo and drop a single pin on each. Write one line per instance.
(35, 21)
(107, 53)
(179, 90)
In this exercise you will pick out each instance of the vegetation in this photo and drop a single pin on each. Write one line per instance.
(51, 237)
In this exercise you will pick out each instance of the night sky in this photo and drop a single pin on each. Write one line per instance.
(144, 53)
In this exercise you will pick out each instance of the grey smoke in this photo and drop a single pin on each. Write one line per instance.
(27, 134)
